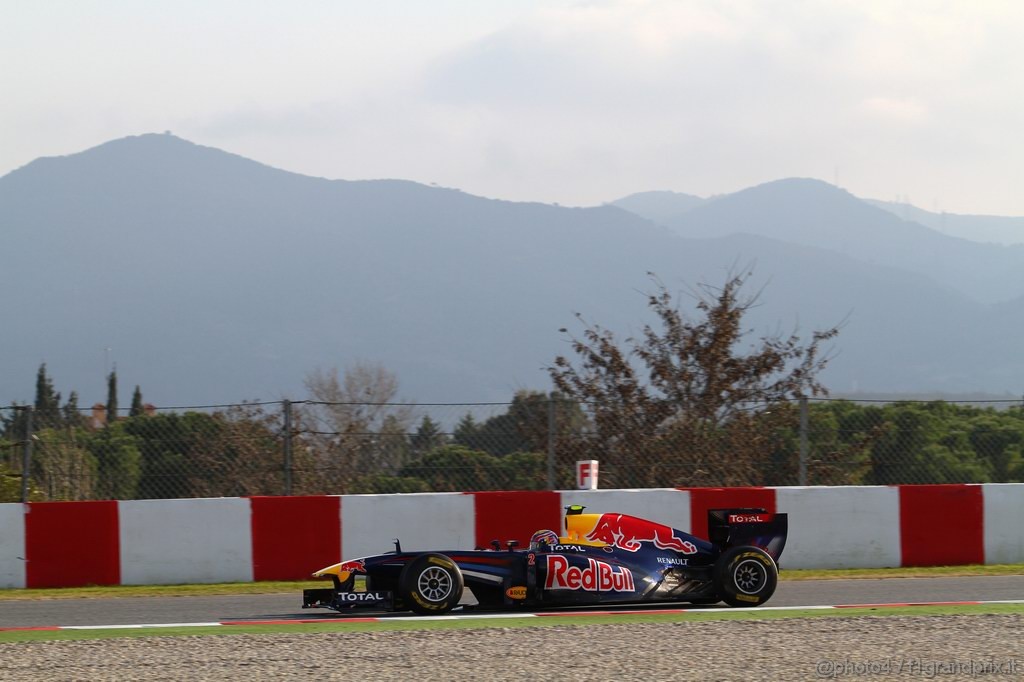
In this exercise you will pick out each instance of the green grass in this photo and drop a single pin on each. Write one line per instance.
(340, 626)
(277, 587)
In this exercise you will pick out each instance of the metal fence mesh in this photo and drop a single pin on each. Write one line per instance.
(299, 448)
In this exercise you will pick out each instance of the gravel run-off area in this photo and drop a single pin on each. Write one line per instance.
(871, 648)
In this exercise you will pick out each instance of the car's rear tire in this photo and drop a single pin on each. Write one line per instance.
(746, 576)
(431, 584)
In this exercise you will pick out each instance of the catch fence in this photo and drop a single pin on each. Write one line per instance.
(532, 443)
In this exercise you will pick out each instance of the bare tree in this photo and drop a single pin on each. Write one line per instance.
(352, 425)
(680, 404)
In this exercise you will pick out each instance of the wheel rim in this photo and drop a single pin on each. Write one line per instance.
(434, 584)
(750, 576)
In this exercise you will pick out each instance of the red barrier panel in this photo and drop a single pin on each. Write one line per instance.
(515, 515)
(703, 499)
(71, 544)
(942, 525)
(294, 536)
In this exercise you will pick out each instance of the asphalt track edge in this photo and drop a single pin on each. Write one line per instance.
(463, 621)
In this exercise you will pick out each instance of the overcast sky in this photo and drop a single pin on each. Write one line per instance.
(561, 101)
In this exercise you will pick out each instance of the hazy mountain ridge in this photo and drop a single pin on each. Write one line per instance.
(664, 206)
(214, 278)
(814, 213)
(1005, 230)
(659, 206)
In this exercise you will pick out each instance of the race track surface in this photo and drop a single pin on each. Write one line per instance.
(117, 611)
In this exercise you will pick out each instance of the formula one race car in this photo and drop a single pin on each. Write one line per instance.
(601, 559)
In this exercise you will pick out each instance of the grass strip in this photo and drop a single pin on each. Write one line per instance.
(340, 626)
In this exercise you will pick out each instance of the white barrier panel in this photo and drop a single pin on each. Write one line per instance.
(841, 527)
(1004, 523)
(664, 505)
(12, 545)
(442, 521)
(185, 541)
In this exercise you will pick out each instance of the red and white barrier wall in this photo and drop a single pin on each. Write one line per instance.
(63, 544)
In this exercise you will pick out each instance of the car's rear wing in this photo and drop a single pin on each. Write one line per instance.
(748, 526)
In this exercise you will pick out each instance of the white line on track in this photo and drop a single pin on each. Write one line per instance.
(134, 627)
(485, 616)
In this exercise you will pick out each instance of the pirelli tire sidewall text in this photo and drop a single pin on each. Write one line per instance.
(431, 584)
(746, 576)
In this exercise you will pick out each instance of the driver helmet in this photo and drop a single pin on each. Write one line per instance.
(543, 538)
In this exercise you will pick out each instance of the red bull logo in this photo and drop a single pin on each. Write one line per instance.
(596, 577)
(354, 566)
(628, 533)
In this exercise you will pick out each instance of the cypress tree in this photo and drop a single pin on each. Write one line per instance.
(72, 415)
(47, 405)
(112, 397)
(137, 409)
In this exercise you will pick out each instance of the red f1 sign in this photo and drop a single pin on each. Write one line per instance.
(586, 474)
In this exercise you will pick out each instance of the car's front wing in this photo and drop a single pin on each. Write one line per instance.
(342, 600)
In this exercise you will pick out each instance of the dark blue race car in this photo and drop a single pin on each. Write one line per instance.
(600, 559)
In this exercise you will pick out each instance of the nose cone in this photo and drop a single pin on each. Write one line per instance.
(333, 570)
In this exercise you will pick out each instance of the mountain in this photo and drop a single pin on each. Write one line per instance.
(213, 278)
(814, 213)
(995, 229)
(659, 206)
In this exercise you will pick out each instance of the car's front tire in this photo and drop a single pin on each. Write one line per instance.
(746, 576)
(431, 584)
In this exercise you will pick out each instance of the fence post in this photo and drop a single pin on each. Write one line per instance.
(287, 404)
(803, 441)
(26, 455)
(551, 442)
